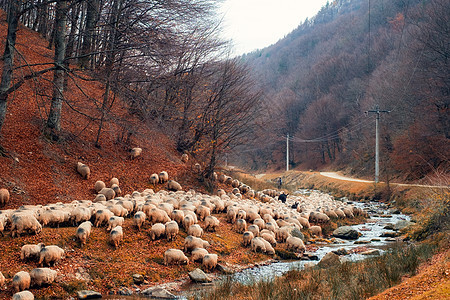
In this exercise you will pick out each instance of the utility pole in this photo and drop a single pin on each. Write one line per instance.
(377, 111)
(287, 152)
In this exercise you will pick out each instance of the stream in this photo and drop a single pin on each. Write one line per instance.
(372, 231)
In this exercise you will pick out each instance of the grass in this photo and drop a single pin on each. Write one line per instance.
(351, 280)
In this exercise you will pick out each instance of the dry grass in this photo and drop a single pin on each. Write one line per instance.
(348, 281)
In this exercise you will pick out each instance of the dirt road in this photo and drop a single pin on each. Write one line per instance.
(340, 177)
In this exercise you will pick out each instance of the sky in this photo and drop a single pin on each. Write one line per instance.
(256, 24)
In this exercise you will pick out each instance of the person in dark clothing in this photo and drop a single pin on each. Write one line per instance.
(282, 197)
(280, 182)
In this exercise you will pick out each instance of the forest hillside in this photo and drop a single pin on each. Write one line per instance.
(320, 79)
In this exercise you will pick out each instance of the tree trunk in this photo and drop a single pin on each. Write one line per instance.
(8, 57)
(91, 20)
(54, 117)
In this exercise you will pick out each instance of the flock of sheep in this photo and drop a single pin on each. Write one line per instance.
(261, 219)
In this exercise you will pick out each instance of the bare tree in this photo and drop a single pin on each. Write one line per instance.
(54, 117)
(8, 58)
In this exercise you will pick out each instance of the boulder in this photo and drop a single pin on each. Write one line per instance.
(310, 256)
(199, 276)
(389, 234)
(157, 292)
(361, 242)
(85, 294)
(329, 260)
(371, 252)
(308, 265)
(223, 268)
(346, 232)
(124, 291)
(138, 279)
(341, 251)
(402, 225)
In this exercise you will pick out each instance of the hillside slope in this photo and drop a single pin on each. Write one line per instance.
(38, 170)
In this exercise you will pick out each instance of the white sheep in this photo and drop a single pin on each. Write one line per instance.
(195, 230)
(178, 216)
(198, 254)
(102, 216)
(4, 196)
(231, 214)
(116, 190)
(154, 179)
(174, 186)
(269, 237)
(163, 177)
(211, 223)
(157, 231)
(50, 255)
(83, 232)
(241, 225)
(247, 238)
(21, 281)
(171, 230)
(115, 221)
(118, 210)
(202, 212)
(109, 193)
(24, 295)
(116, 236)
(158, 215)
(114, 180)
(192, 242)
(100, 198)
(253, 228)
(99, 185)
(184, 158)
(139, 219)
(295, 244)
(2, 280)
(209, 261)
(135, 152)
(83, 170)
(30, 251)
(80, 214)
(41, 276)
(316, 230)
(24, 222)
(175, 256)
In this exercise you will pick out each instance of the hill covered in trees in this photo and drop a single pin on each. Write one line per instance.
(89, 80)
(353, 55)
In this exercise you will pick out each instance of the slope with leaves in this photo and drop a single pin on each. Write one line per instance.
(39, 170)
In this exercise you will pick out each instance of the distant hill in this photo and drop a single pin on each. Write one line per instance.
(321, 78)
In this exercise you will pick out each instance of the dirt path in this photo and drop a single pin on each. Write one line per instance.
(335, 175)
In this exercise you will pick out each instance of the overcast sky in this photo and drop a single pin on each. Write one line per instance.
(256, 24)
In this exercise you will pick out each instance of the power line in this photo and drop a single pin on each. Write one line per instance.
(333, 135)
